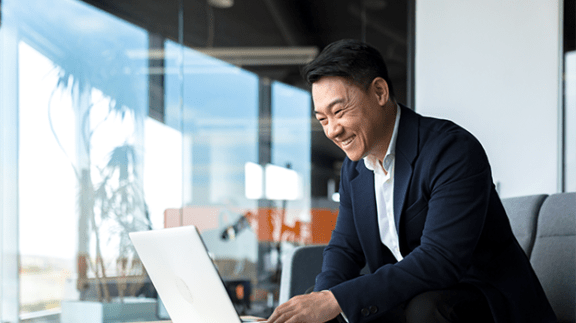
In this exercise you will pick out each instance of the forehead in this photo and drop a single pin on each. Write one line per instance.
(330, 88)
(330, 83)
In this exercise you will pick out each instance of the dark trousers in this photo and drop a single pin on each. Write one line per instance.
(460, 304)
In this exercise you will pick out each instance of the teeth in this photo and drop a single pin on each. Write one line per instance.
(347, 141)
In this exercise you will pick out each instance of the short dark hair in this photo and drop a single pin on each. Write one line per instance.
(349, 58)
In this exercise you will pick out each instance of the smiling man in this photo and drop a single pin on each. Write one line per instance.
(417, 207)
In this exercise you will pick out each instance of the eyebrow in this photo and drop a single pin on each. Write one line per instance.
(331, 104)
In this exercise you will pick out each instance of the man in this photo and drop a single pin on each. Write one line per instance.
(417, 206)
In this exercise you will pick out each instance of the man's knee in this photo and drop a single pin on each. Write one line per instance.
(463, 303)
(427, 307)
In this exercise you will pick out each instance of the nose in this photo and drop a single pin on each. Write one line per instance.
(333, 130)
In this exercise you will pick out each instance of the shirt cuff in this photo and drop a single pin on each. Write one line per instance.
(344, 318)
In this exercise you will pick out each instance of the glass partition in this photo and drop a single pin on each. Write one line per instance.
(109, 128)
(220, 118)
(291, 110)
(92, 166)
(82, 105)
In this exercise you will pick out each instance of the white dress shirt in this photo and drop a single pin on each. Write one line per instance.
(384, 190)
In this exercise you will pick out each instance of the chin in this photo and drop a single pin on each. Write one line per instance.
(354, 157)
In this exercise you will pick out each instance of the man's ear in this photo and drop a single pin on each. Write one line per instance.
(380, 87)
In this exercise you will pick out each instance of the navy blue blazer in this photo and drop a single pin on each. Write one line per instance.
(451, 225)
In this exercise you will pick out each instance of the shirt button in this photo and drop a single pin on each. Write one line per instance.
(373, 309)
(365, 312)
(387, 163)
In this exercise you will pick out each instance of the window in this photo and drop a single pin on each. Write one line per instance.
(109, 129)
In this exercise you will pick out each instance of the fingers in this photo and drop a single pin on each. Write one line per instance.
(281, 313)
(289, 318)
(285, 311)
(311, 308)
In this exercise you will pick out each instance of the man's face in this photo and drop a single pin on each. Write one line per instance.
(354, 119)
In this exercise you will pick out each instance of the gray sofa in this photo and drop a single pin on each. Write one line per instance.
(545, 227)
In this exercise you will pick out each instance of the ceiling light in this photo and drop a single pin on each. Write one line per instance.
(221, 3)
(250, 56)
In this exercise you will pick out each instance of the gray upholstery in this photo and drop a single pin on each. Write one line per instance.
(554, 253)
(523, 214)
(299, 271)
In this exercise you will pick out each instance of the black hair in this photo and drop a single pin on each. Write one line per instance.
(349, 58)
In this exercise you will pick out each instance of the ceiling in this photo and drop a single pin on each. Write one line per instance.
(280, 24)
(274, 23)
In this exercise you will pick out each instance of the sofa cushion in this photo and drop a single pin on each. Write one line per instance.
(523, 214)
(554, 253)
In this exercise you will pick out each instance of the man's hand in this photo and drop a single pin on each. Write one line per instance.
(315, 307)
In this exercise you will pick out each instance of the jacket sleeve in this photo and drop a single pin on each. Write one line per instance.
(343, 257)
(454, 182)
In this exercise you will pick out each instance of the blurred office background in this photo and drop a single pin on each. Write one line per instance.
(121, 116)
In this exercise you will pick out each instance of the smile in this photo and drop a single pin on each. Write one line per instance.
(347, 141)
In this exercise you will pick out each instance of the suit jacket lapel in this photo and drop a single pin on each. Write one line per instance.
(362, 188)
(365, 209)
(406, 150)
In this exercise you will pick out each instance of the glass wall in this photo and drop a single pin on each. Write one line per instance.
(109, 129)
(84, 148)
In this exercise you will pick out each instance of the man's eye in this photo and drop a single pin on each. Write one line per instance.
(338, 111)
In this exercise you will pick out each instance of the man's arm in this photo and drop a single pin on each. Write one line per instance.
(343, 258)
(321, 305)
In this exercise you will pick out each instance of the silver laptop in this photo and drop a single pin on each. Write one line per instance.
(185, 277)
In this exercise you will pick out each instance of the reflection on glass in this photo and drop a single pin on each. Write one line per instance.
(282, 183)
(162, 170)
(93, 166)
(47, 188)
(220, 136)
(254, 181)
(291, 111)
(82, 105)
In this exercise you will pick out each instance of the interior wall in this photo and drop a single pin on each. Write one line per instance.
(493, 67)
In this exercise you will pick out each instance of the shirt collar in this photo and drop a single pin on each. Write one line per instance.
(372, 162)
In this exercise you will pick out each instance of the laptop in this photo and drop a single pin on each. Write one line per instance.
(184, 275)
